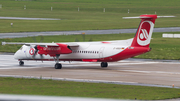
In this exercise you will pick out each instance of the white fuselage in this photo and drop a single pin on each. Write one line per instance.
(86, 50)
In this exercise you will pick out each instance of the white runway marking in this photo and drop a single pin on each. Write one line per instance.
(158, 72)
(136, 63)
(10, 97)
(67, 79)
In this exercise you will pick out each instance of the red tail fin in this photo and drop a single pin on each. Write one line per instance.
(144, 32)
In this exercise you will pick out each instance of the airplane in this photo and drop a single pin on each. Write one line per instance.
(104, 51)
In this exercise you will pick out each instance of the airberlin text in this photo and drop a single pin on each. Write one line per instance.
(52, 48)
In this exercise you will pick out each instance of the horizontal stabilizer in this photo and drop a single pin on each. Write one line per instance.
(165, 16)
(140, 17)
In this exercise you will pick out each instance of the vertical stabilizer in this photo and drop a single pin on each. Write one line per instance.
(144, 31)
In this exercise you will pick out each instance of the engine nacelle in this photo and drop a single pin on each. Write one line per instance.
(54, 50)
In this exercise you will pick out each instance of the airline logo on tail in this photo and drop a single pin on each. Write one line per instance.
(145, 33)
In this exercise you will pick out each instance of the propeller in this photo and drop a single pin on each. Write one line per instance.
(36, 50)
(42, 38)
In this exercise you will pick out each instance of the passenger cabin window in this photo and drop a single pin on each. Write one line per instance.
(79, 51)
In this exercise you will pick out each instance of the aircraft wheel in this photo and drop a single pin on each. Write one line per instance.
(104, 64)
(58, 66)
(21, 63)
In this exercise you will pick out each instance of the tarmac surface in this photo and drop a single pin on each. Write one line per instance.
(142, 72)
(110, 31)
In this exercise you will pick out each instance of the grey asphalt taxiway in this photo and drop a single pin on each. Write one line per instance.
(109, 31)
(143, 72)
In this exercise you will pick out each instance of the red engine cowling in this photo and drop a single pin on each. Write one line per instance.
(53, 50)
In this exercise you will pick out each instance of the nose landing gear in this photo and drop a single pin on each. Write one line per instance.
(21, 63)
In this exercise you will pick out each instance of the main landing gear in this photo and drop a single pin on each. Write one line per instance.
(57, 65)
(104, 64)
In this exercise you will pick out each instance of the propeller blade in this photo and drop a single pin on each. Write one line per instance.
(42, 38)
(36, 50)
(41, 56)
(34, 39)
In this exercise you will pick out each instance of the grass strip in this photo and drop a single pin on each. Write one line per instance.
(80, 89)
(90, 15)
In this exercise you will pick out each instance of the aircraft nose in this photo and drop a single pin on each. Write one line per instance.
(20, 55)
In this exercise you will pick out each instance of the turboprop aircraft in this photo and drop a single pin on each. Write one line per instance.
(105, 51)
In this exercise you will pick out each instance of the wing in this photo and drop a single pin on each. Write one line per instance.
(71, 44)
